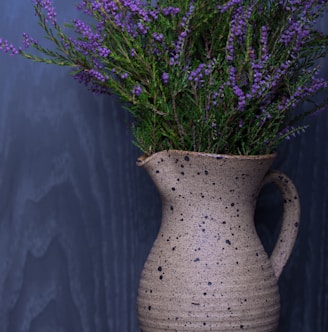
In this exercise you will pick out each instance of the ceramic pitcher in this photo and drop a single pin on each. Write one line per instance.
(207, 269)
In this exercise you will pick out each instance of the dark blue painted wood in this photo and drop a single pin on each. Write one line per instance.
(77, 218)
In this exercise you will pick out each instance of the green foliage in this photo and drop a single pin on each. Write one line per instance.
(203, 78)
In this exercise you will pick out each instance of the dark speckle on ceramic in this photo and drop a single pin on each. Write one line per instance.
(207, 270)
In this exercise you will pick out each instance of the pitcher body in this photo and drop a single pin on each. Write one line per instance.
(207, 269)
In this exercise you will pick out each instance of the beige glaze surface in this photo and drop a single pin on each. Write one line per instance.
(207, 270)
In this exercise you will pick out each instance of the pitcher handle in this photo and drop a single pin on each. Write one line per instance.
(290, 222)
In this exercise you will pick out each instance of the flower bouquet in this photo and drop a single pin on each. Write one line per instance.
(208, 76)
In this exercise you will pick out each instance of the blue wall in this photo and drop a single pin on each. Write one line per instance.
(77, 217)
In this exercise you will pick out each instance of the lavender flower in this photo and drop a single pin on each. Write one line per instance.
(165, 78)
(137, 90)
(8, 48)
(171, 11)
(28, 41)
(229, 5)
(97, 75)
(158, 36)
(179, 45)
(132, 52)
(124, 76)
(48, 6)
(243, 68)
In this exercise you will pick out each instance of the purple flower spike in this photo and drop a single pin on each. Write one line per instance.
(137, 90)
(8, 48)
(165, 78)
(48, 6)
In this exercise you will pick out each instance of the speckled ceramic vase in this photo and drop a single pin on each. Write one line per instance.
(207, 269)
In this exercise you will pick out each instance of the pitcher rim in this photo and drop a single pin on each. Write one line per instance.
(144, 159)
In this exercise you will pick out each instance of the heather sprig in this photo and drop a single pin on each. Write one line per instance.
(211, 76)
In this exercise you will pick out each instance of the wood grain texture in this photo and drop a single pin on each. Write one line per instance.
(77, 217)
(75, 225)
